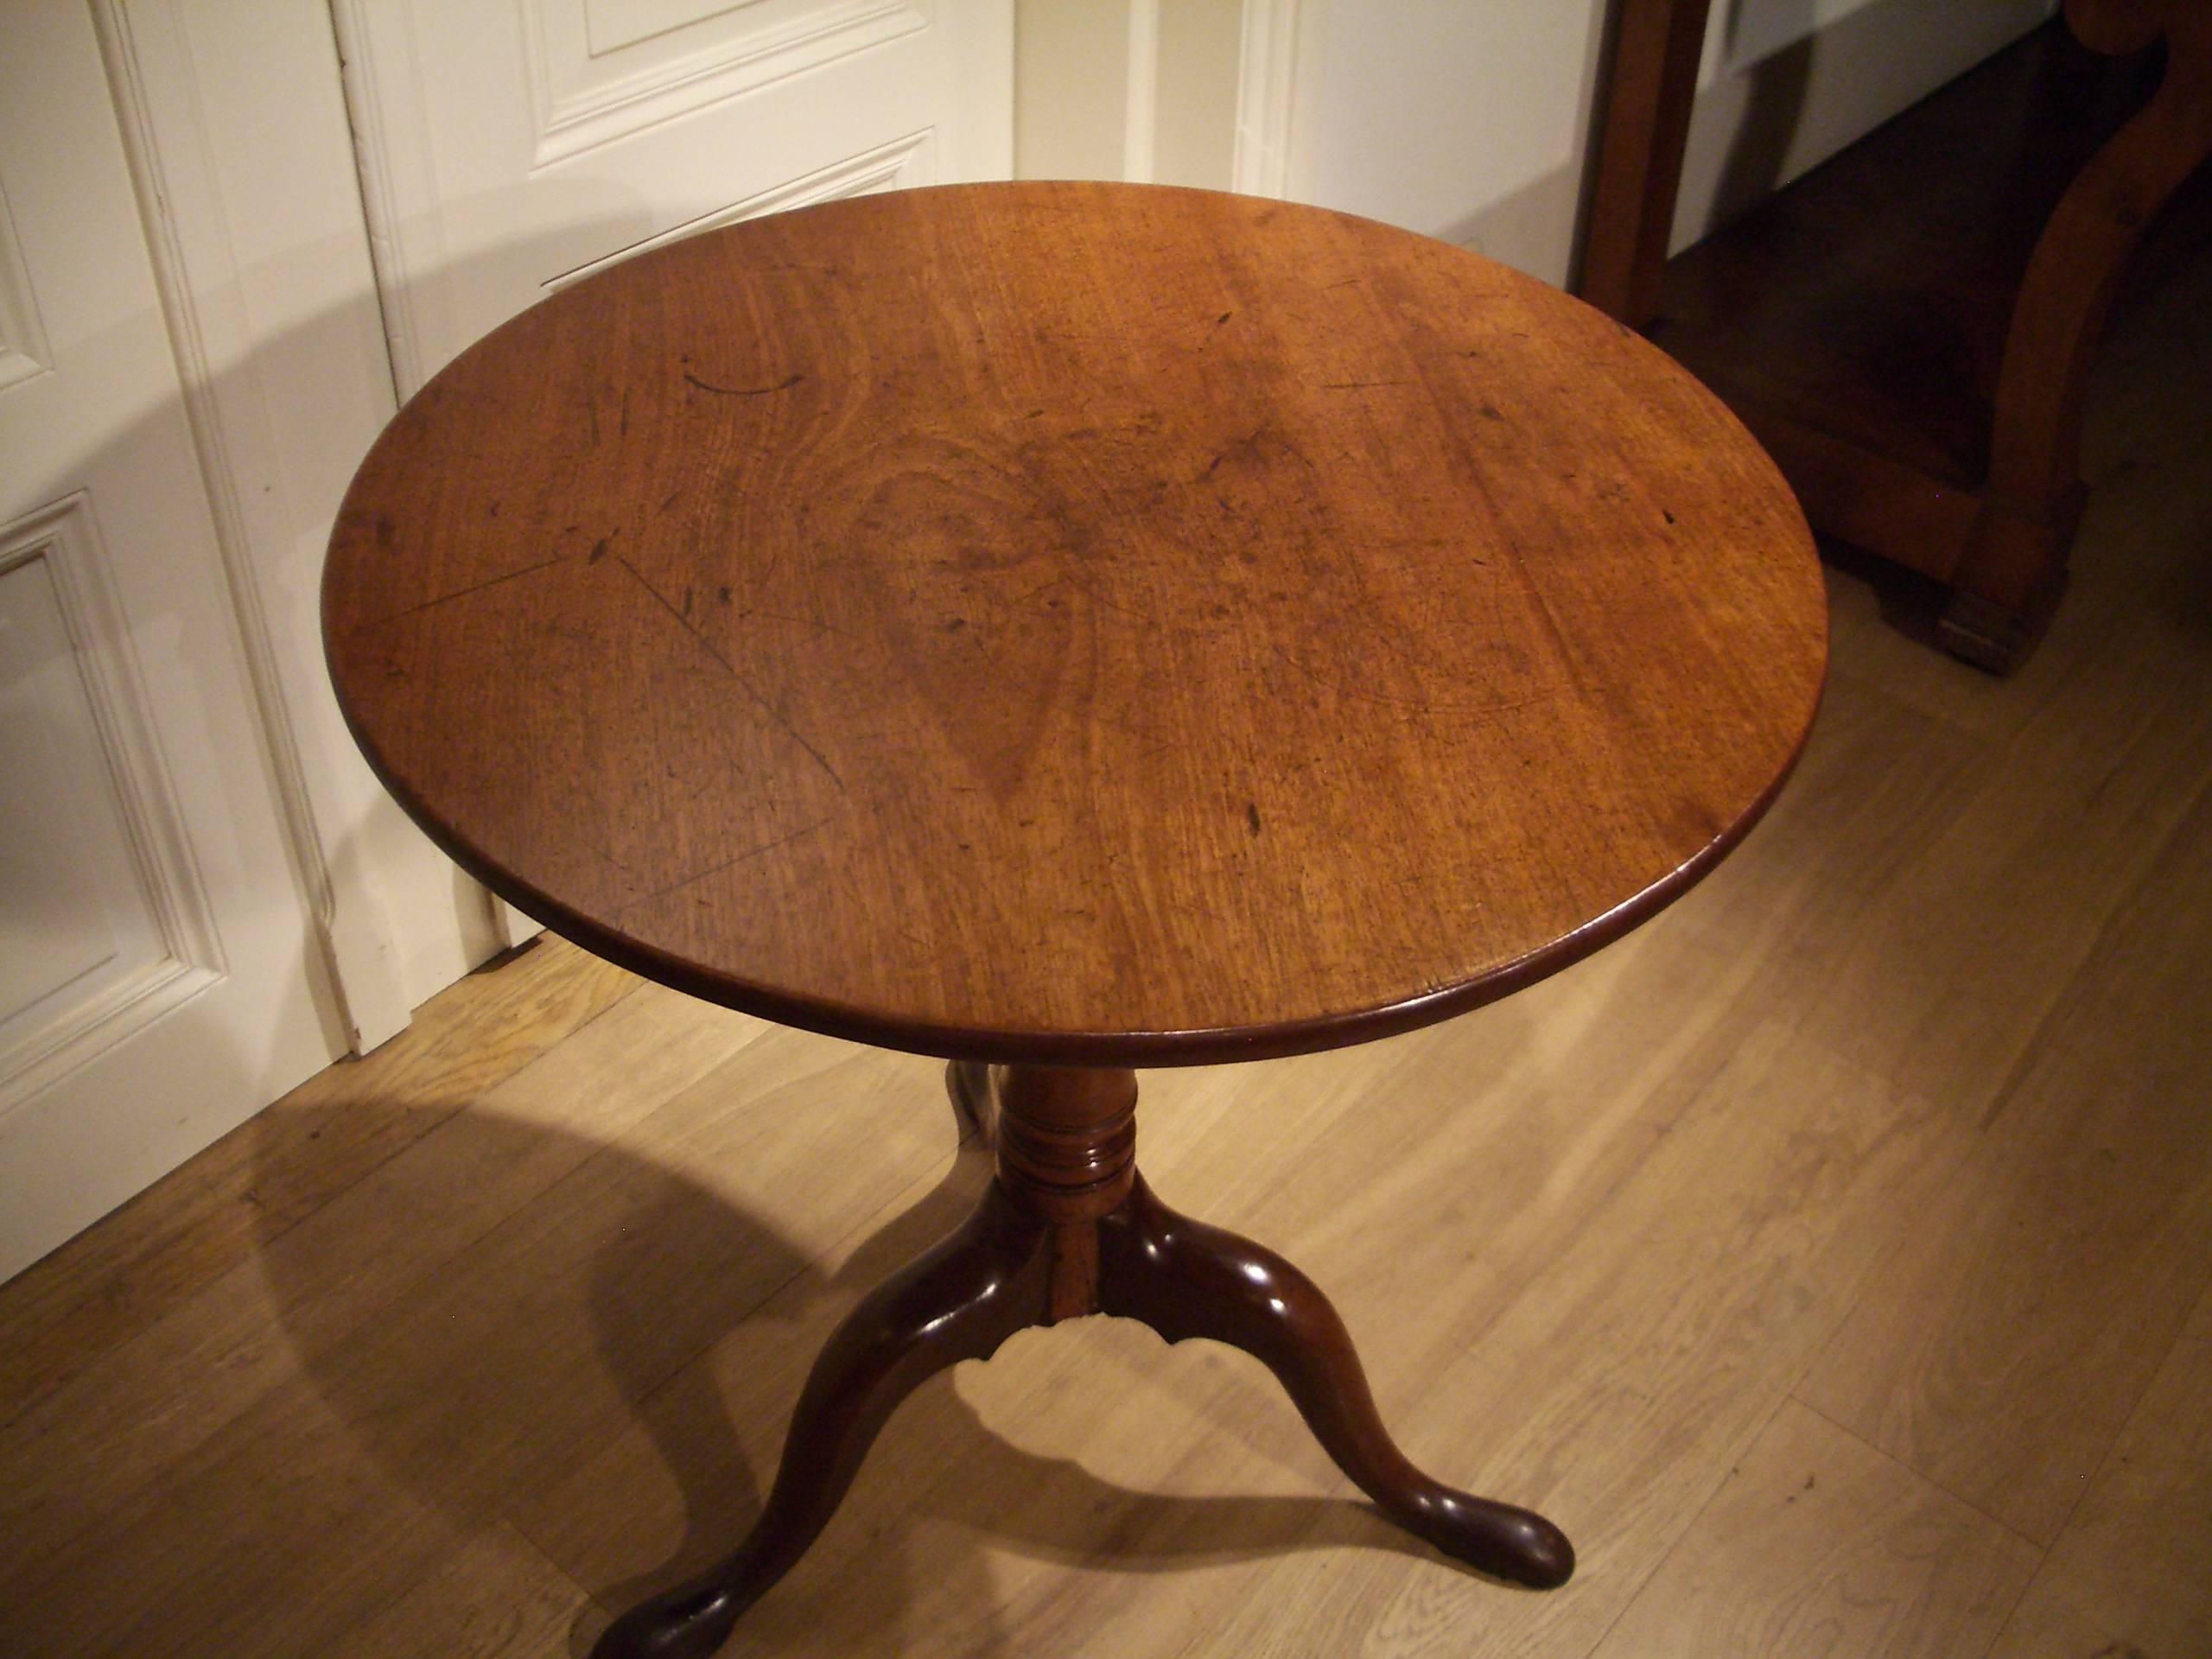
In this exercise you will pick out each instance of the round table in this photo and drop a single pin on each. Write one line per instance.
(1064, 629)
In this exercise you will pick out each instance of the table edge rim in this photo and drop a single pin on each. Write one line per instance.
(1205, 1045)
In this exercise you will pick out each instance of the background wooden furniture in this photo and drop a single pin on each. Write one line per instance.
(1908, 328)
(1073, 626)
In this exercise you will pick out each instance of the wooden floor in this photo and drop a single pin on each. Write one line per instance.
(1833, 1259)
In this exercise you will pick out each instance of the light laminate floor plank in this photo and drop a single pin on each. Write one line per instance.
(494, 1598)
(1818, 1544)
(2131, 1574)
(2042, 1291)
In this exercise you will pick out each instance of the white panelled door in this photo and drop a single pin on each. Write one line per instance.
(508, 147)
(155, 949)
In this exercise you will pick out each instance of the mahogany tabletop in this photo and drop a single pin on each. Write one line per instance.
(1082, 623)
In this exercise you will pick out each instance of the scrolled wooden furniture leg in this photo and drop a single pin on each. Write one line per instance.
(958, 1302)
(2015, 559)
(1066, 1141)
(1185, 1278)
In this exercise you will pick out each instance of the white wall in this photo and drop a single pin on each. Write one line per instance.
(1074, 73)
(1470, 119)
(1144, 90)
(1465, 120)
(1200, 45)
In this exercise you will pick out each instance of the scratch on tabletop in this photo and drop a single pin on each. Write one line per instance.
(727, 864)
(814, 622)
(474, 587)
(785, 385)
(1558, 635)
(773, 712)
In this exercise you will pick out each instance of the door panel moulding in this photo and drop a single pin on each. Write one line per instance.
(165, 948)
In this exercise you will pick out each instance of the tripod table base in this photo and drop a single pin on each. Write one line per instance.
(1068, 1228)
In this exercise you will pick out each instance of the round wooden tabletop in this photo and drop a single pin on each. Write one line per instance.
(1075, 623)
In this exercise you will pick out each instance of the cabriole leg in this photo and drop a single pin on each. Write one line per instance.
(1184, 1280)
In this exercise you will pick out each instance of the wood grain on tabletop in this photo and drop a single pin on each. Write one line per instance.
(1076, 622)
